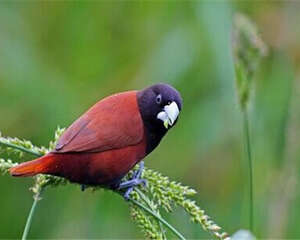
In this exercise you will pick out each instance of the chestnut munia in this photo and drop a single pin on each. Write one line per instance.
(106, 142)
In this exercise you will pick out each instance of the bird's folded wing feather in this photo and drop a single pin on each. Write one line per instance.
(112, 123)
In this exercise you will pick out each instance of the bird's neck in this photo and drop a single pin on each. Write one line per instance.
(154, 129)
(153, 136)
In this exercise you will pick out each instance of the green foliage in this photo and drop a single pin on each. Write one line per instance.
(160, 193)
(59, 131)
(168, 194)
(5, 165)
(147, 223)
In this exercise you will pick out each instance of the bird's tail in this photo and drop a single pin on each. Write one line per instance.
(34, 167)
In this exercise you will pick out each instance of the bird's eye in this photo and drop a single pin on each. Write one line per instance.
(158, 99)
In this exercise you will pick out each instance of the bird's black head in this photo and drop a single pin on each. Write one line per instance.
(160, 106)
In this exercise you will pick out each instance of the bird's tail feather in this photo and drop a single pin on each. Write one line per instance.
(33, 167)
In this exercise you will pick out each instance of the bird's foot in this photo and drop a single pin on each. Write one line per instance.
(135, 181)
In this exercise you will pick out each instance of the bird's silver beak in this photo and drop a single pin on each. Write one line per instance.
(169, 115)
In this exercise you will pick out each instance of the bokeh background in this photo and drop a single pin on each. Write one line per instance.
(58, 58)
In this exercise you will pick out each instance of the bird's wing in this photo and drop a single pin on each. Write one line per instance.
(112, 123)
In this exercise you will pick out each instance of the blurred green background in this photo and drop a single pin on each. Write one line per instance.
(58, 58)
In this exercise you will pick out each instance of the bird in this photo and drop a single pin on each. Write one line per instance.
(109, 139)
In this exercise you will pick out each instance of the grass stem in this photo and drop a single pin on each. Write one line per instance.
(31, 213)
(249, 156)
(23, 149)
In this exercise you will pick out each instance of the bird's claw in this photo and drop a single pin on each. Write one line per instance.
(144, 183)
(127, 193)
(135, 181)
